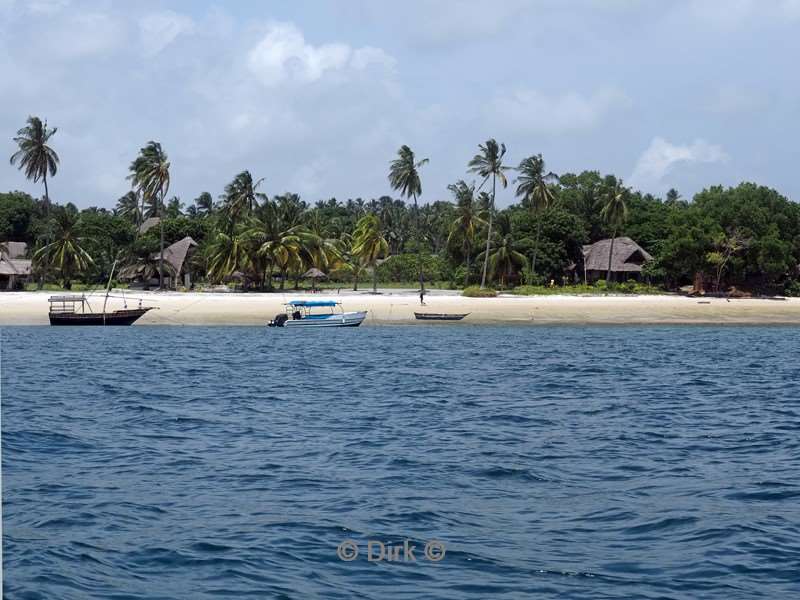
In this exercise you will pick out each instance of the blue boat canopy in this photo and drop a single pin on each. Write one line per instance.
(313, 303)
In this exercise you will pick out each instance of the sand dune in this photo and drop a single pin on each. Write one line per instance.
(30, 308)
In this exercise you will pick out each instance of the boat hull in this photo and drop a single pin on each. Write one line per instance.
(349, 319)
(439, 316)
(118, 317)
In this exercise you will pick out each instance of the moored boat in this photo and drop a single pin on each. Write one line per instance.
(299, 314)
(76, 310)
(440, 316)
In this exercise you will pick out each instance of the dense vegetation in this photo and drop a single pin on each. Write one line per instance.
(747, 236)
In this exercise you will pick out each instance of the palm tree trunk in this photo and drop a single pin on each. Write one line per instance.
(466, 260)
(43, 274)
(610, 254)
(374, 278)
(488, 236)
(355, 281)
(161, 257)
(419, 245)
(535, 250)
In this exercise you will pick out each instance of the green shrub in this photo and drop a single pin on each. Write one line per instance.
(404, 267)
(475, 291)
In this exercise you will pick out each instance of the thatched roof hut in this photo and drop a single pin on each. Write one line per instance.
(14, 267)
(175, 262)
(627, 259)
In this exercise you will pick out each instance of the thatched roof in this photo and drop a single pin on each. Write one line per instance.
(174, 261)
(628, 256)
(149, 223)
(15, 266)
(15, 250)
(176, 254)
(314, 273)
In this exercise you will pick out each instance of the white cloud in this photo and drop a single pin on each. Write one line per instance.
(159, 30)
(532, 111)
(84, 35)
(283, 55)
(660, 158)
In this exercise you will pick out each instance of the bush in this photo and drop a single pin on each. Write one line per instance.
(475, 291)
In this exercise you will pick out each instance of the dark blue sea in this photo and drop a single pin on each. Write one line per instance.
(565, 462)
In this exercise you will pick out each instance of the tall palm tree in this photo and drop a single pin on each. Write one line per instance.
(468, 218)
(34, 155)
(65, 253)
(489, 163)
(369, 244)
(149, 175)
(37, 159)
(404, 178)
(241, 196)
(614, 213)
(533, 185)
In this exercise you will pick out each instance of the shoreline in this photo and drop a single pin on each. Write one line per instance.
(398, 307)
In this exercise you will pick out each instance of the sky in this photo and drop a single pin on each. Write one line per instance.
(316, 97)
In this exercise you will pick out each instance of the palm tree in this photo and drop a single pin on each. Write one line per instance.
(489, 163)
(614, 213)
(279, 243)
(149, 175)
(404, 177)
(533, 185)
(37, 159)
(468, 219)
(128, 207)
(204, 203)
(174, 208)
(65, 252)
(241, 197)
(227, 254)
(503, 258)
(369, 244)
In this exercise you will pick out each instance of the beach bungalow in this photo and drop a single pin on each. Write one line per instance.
(177, 267)
(148, 224)
(627, 260)
(15, 269)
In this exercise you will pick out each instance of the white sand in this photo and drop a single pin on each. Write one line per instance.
(30, 308)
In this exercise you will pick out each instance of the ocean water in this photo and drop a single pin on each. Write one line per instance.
(565, 462)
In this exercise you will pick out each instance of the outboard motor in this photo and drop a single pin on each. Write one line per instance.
(279, 320)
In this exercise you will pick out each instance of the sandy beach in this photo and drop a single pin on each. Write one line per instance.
(397, 307)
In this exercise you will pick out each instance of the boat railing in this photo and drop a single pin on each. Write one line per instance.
(66, 304)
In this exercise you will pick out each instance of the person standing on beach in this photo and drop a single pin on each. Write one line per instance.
(422, 297)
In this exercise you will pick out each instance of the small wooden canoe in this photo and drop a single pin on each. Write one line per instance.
(440, 316)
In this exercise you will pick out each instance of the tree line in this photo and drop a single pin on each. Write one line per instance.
(746, 236)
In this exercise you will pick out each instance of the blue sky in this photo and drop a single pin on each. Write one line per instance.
(316, 97)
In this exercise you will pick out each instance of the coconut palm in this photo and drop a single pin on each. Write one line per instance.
(279, 244)
(614, 213)
(534, 187)
(204, 204)
(469, 217)
(489, 163)
(227, 254)
(404, 178)
(149, 175)
(128, 208)
(241, 196)
(34, 155)
(369, 244)
(65, 253)
(37, 159)
(174, 208)
(503, 258)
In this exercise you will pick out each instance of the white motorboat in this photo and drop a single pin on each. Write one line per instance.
(299, 314)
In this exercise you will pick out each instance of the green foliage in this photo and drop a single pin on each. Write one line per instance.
(19, 217)
(404, 267)
(475, 291)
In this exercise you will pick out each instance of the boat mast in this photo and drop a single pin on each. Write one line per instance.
(108, 289)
